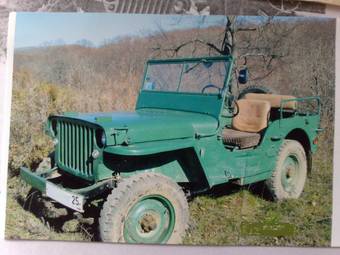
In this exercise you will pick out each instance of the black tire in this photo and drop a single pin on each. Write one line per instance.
(254, 89)
(289, 176)
(115, 221)
(33, 200)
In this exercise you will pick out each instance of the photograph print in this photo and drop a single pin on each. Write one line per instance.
(172, 129)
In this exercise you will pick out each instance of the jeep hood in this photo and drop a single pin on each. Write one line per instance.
(150, 125)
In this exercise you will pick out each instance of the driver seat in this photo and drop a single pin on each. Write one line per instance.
(252, 118)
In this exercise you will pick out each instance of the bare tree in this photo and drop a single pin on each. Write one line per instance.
(255, 42)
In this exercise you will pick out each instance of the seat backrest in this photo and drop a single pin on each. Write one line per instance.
(253, 115)
(274, 100)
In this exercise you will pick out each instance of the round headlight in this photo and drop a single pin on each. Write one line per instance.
(103, 139)
(95, 154)
(100, 138)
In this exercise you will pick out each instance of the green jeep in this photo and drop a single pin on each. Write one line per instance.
(188, 133)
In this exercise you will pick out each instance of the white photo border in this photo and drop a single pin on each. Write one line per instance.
(60, 247)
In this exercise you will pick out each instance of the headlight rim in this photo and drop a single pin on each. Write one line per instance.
(101, 138)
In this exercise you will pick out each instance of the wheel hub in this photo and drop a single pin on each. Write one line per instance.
(148, 223)
(290, 173)
(150, 220)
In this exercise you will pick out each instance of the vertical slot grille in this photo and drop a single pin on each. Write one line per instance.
(76, 143)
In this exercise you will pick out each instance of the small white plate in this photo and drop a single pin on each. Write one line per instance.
(69, 199)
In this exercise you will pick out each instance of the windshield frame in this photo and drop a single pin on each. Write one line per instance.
(227, 59)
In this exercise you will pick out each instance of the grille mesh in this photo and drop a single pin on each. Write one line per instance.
(76, 143)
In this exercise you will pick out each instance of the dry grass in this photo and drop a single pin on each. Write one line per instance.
(217, 220)
(23, 224)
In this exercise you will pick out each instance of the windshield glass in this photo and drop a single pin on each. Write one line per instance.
(204, 76)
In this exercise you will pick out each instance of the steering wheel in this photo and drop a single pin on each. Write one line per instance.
(231, 103)
(210, 86)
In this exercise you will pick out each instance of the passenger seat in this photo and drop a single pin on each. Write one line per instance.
(252, 117)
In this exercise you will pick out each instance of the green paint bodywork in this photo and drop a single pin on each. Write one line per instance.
(176, 134)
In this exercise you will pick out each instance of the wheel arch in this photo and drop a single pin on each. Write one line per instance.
(182, 166)
(302, 137)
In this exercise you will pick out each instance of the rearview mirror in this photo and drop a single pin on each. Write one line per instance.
(243, 76)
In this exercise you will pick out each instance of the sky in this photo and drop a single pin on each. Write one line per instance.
(38, 29)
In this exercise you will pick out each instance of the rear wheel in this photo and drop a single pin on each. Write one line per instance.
(288, 178)
(145, 208)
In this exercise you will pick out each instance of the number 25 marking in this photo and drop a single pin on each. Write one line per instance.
(75, 200)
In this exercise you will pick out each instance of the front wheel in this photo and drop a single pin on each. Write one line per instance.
(145, 208)
(289, 176)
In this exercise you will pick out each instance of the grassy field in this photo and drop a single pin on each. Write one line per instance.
(216, 218)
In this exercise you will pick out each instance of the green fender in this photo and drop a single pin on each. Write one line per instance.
(175, 159)
(172, 169)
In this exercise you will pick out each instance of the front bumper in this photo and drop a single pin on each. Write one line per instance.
(72, 198)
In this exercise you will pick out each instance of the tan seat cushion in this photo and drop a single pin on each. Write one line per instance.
(274, 100)
(253, 115)
(241, 139)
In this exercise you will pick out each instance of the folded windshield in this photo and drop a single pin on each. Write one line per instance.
(202, 76)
